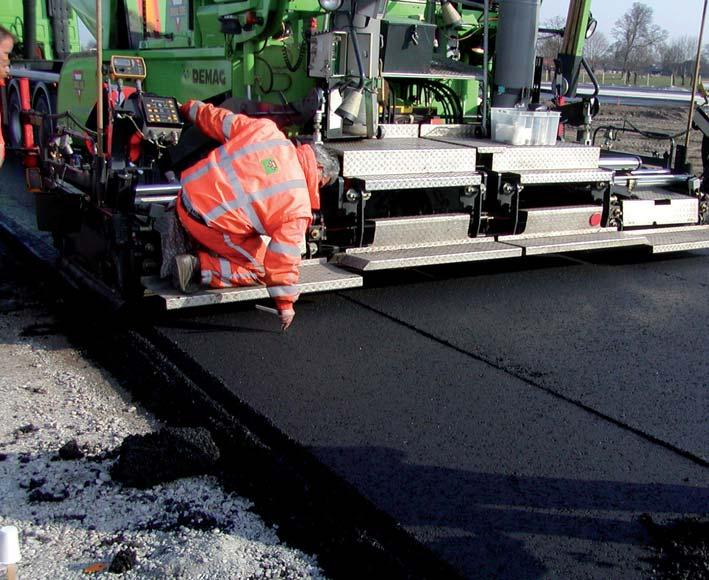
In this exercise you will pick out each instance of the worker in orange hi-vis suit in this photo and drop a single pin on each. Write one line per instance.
(7, 42)
(257, 183)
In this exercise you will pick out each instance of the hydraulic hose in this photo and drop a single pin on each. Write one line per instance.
(355, 46)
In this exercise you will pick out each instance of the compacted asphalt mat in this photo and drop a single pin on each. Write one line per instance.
(519, 418)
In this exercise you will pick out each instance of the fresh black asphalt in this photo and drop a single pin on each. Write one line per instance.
(516, 418)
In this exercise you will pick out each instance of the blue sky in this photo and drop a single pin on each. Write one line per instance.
(678, 17)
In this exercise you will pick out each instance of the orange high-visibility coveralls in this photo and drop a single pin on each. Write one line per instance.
(257, 183)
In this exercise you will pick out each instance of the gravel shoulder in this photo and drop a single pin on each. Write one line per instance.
(70, 513)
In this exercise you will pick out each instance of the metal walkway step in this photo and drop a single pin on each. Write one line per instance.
(315, 276)
(471, 250)
(679, 239)
(320, 275)
(574, 242)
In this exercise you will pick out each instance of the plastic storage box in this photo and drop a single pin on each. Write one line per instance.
(521, 127)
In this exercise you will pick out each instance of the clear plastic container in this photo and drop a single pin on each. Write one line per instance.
(521, 127)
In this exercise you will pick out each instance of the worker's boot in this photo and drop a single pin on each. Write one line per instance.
(185, 273)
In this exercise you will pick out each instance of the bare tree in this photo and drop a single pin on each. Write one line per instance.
(549, 44)
(596, 49)
(677, 56)
(636, 38)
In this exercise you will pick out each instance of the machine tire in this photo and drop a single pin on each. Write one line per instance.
(14, 125)
(42, 103)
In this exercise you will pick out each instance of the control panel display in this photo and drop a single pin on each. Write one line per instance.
(128, 67)
(161, 111)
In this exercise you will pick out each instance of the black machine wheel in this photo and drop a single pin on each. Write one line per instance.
(42, 103)
(14, 123)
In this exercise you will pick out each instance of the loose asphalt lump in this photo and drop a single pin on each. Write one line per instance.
(173, 452)
(70, 436)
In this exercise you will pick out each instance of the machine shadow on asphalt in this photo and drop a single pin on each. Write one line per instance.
(485, 514)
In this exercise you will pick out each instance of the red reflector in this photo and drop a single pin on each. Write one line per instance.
(595, 220)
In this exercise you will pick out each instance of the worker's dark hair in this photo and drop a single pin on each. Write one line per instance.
(328, 164)
(4, 33)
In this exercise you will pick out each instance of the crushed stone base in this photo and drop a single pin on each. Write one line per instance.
(70, 513)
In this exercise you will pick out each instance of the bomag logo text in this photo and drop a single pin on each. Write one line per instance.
(208, 76)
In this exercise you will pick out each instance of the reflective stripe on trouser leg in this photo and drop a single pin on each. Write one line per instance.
(243, 252)
(219, 272)
(279, 291)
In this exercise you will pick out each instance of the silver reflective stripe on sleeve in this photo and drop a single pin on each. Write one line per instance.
(227, 125)
(274, 291)
(206, 277)
(194, 107)
(287, 249)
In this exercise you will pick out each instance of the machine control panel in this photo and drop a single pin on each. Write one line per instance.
(161, 119)
(161, 111)
(128, 67)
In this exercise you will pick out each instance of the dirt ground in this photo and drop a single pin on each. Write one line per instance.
(671, 120)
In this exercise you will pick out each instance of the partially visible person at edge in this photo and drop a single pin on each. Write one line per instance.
(7, 42)
(257, 183)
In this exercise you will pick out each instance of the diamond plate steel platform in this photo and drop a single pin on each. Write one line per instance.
(369, 259)
(315, 276)
(680, 239)
(547, 221)
(508, 158)
(423, 181)
(400, 157)
(452, 131)
(659, 211)
(564, 176)
(574, 242)
(398, 131)
(391, 233)
(655, 193)
(561, 156)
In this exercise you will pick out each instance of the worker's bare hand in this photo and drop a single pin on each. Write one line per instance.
(286, 317)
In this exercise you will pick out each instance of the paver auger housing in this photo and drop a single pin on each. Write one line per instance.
(404, 92)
